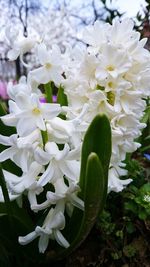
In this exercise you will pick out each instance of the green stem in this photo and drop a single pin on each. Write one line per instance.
(44, 135)
(48, 92)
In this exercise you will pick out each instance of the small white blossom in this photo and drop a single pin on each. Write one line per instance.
(147, 198)
(51, 69)
(60, 163)
(28, 114)
(54, 222)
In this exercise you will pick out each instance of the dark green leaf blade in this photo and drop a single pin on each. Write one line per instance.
(93, 198)
(97, 139)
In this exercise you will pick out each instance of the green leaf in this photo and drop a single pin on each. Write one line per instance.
(93, 199)
(97, 139)
(48, 92)
(146, 116)
(2, 109)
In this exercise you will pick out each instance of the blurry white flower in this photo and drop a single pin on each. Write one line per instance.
(51, 62)
(112, 62)
(20, 44)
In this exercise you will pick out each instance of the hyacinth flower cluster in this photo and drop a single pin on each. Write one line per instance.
(110, 75)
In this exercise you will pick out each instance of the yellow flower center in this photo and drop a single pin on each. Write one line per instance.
(36, 111)
(110, 68)
(111, 84)
(48, 65)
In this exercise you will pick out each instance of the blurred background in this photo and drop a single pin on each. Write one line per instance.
(60, 22)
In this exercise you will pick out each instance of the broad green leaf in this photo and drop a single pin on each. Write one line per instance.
(93, 199)
(97, 139)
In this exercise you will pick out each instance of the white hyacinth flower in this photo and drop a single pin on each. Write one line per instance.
(51, 62)
(54, 222)
(20, 156)
(28, 181)
(60, 163)
(28, 114)
(67, 195)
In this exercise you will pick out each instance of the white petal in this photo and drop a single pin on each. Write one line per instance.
(50, 111)
(42, 54)
(74, 154)
(25, 126)
(10, 177)
(40, 123)
(19, 187)
(76, 201)
(41, 156)
(9, 120)
(24, 240)
(13, 108)
(53, 197)
(70, 169)
(28, 140)
(11, 196)
(32, 198)
(21, 158)
(23, 101)
(60, 239)
(58, 220)
(5, 140)
(13, 54)
(41, 75)
(37, 207)
(63, 153)
(43, 243)
(47, 175)
(7, 153)
(51, 148)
